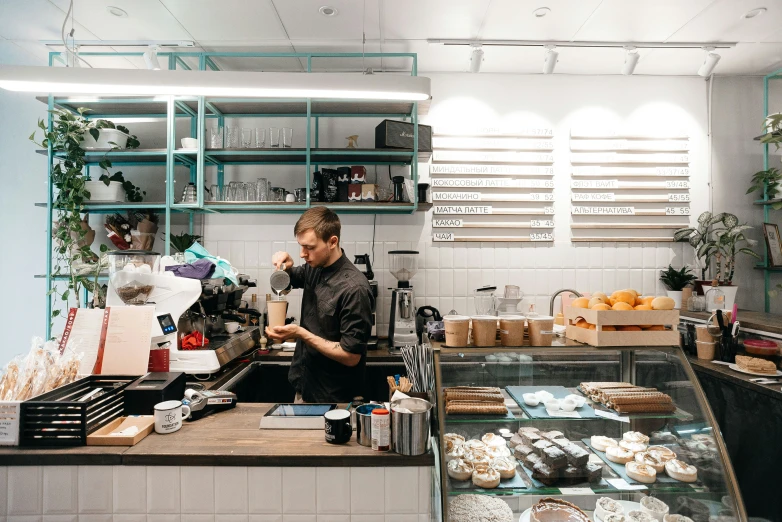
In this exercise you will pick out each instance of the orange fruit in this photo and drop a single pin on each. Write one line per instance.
(581, 323)
(628, 328)
(620, 305)
(581, 302)
(611, 301)
(655, 328)
(592, 327)
(595, 300)
(601, 306)
(647, 300)
(609, 328)
(600, 295)
(625, 297)
(643, 307)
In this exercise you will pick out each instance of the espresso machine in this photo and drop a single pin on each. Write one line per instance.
(403, 265)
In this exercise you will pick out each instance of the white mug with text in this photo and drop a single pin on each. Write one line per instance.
(169, 416)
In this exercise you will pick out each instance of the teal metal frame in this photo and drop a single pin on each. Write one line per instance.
(766, 201)
(174, 107)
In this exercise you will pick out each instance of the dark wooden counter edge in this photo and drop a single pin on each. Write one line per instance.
(721, 371)
(759, 321)
(230, 438)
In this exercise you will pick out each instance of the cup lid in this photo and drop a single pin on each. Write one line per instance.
(512, 318)
(455, 318)
(484, 318)
(540, 318)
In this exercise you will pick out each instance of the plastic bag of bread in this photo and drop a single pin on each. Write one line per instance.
(43, 369)
(10, 378)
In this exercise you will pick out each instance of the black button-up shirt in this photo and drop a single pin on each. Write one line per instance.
(337, 306)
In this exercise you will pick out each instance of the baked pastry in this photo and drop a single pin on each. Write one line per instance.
(576, 455)
(641, 472)
(531, 460)
(484, 476)
(490, 439)
(551, 435)
(541, 445)
(459, 469)
(619, 455)
(661, 452)
(635, 447)
(676, 518)
(498, 451)
(635, 436)
(455, 438)
(644, 408)
(638, 516)
(755, 365)
(654, 507)
(561, 442)
(521, 451)
(531, 437)
(516, 440)
(474, 393)
(607, 506)
(473, 444)
(554, 509)
(462, 407)
(676, 469)
(545, 474)
(453, 451)
(572, 475)
(528, 429)
(601, 443)
(477, 456)
(650, 459)
(663, 437)
(594, 471)
(479, 508)
(554, 457)
(505, 466)
(615, 518)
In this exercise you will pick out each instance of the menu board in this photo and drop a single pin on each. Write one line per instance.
(492, 184)
(628, 186)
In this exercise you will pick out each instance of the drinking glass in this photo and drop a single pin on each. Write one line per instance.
(232, 192)
(262, 189)
(232, 137)
(247, 138)
(260, 138)
(215, 194)
(287, 137)
(274, 137)
(250, 191)
(216, 137)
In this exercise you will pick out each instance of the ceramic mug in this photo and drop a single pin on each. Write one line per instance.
(169, 416)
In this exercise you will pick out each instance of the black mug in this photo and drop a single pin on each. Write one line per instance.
(338, 427)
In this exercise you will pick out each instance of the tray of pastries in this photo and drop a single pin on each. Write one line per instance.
(485, 463)
(474, 400)
(623, 397)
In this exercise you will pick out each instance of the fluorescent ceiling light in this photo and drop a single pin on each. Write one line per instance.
(709, 63)
(551, 59)
(476, 59)
(67, 80)
(631, 60)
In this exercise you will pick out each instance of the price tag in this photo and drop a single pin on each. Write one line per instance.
(537, 196)
(547, 236)
(541, 223)
(678, 198)
(576, 491)
(677, 184)
(548, 210)
(672, 171)
(677, 211)
(612, 416)
(620, 483)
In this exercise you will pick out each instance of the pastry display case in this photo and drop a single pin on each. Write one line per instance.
(575, 432)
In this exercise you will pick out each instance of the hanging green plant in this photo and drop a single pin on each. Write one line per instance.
(768, 180)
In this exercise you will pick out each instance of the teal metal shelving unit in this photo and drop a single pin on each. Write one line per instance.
(199, 109)
(766, 202)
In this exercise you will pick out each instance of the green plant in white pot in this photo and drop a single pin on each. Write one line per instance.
(675, 281)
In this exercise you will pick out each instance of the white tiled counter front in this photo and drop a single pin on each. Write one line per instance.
(214, 494)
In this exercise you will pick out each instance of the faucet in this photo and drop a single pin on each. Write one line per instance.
(555, 294)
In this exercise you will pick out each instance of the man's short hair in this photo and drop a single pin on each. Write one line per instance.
(322, 220)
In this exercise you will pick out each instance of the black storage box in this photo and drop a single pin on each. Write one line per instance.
(142, 394)
(392, 134)
(62, 417)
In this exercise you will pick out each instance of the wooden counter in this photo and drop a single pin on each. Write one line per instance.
(230, 438)
(721, 371)
(757, 321)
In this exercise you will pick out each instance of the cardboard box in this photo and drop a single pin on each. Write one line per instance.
(600, 318)
(103, 437)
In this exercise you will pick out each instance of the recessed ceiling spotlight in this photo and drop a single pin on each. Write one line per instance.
(116, 11)
(540, 12)
(752, 13)
(327, 10)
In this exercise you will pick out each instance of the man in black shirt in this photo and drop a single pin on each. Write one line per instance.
(331, 348)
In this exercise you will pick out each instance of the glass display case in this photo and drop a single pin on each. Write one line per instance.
(536, 426)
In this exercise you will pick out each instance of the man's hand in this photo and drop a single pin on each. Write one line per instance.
(282, 333)
(282, 260)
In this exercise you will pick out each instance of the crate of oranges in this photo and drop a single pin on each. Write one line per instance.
(623, 318)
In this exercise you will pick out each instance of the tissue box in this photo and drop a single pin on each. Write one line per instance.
(103, 437)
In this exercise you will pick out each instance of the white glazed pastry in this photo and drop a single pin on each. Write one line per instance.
(505, 466)
(676, 469)
(635, 436)
(453, 451)
(459, 469)
(473, 444)
(601, 443)
(641, 472)
(477, 456)
(484, 476)
(607, 506)
(457, 439)
(619, 455)
(654, 507)
(530, 399)
(638, 516)
(650, 459)
(635, 447)
(662, 453)
(615, 518)
(490, 439)
(498, 451)
(676, 518)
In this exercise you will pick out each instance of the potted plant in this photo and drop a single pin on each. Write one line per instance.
(698, 239)
(767, 182)
(675, 281)
(183, 241)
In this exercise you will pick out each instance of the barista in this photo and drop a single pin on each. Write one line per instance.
(331, 348)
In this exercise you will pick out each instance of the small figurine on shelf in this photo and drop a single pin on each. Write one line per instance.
(352, 142)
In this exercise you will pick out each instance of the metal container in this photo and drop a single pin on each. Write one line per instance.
(363, 423)
(410, 431)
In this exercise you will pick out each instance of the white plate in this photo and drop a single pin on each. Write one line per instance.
(735, 367)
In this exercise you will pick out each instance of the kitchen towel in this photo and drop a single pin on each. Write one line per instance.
(223, 268)
(198, 269)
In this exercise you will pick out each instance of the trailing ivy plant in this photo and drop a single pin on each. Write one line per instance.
(769, 180)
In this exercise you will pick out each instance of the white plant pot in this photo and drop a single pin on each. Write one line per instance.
(106, 136)
(100, 192)
(676, 295)
(730, 296)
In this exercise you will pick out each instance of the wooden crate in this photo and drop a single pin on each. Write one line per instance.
(602, 318)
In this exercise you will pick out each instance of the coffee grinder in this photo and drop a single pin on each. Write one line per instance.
(403, 264)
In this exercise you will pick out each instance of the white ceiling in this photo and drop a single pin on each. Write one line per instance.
(405, 25)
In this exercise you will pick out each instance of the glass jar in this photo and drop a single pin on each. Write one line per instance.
(715, 298)
(696, 303)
